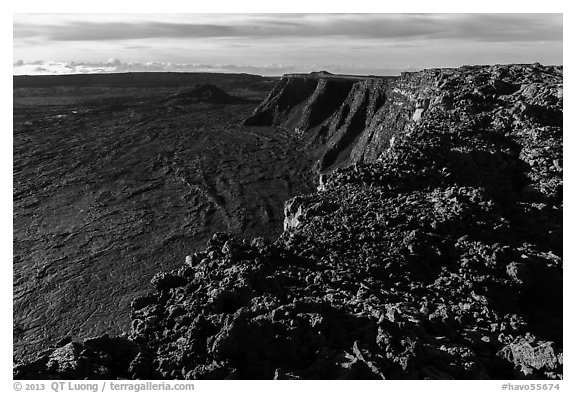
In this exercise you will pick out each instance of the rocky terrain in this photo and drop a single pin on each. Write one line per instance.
(120, 179)
(432, 248)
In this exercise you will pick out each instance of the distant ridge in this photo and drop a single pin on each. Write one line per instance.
(136, 79)
(328, 75)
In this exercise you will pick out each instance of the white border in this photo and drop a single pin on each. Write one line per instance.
(230, 6)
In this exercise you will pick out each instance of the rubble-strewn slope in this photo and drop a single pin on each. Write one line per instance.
(441, 259)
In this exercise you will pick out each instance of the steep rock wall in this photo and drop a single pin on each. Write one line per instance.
(407, 100)
(348, 119)
(296, 102)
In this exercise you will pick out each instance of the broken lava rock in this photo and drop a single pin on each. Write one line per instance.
(431, 256)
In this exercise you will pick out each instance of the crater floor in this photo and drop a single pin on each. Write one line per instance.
(112, 184)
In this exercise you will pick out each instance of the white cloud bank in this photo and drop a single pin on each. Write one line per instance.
(272, 44)
(114, 65)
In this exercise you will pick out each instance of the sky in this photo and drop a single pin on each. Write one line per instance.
(273, 44)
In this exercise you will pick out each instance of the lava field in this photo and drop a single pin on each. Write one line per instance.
(431, 247)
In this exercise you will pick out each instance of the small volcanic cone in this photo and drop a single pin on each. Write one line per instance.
(203, 93)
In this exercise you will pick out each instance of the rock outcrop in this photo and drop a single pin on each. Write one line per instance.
(436, 255)
(347, 119)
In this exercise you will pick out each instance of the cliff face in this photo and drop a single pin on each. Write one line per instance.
(406, 100)
(437, 254)
(348, 119)
(300, 102)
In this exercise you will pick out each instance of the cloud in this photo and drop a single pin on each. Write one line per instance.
(114, 65)
(474, 27)
(359, 43)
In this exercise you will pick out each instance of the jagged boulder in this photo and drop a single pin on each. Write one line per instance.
(532, 358)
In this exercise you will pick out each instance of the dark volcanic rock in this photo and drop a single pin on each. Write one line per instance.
(203, 93)
(111, 186)
(300, 102)
(347, 119)
(437, 255)
(96, 358)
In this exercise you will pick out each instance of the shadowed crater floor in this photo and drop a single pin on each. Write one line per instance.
(117, 178)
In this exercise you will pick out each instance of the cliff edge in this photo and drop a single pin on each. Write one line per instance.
(347, 119)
